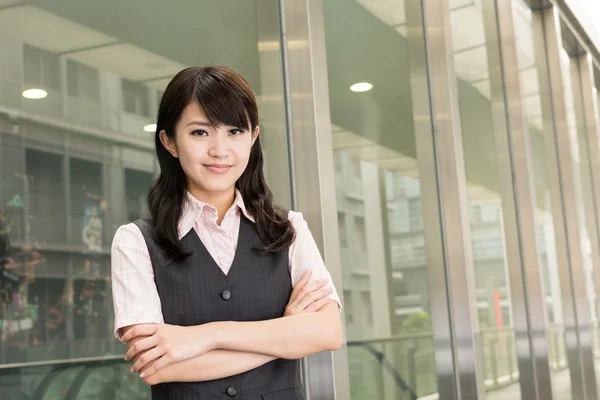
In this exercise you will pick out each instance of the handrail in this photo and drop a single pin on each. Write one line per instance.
(87, 365)
(47, 381)
(72, 361)
(410, 388)
(393, 338)
(404, 380)
(78, 383)
(387, 365)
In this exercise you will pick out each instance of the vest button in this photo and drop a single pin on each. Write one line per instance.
(226, 295)
(231, 391)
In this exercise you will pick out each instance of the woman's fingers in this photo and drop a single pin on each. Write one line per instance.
(307, 290)
(141, 345)
(147, 357)
(317, 305)
(139, 330)
(313, 297)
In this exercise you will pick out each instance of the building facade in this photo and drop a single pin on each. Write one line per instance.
(446, 155)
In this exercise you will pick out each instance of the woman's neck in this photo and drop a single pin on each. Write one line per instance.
(222, 201)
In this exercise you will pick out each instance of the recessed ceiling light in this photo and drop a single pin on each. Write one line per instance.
(150, 128)
(34, 94)
(361, 87)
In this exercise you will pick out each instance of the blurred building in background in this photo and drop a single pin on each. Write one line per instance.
(446, 155)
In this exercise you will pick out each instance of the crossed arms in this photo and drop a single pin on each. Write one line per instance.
(168, 353)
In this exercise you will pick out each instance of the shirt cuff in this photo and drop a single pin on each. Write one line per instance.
(135, 315)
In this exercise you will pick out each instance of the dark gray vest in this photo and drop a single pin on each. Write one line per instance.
(196, 291)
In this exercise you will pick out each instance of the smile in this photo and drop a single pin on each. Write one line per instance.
(218, 168)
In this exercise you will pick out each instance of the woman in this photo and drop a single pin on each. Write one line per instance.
(220, 292)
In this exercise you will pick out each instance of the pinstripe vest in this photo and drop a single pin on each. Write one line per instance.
(196, 291)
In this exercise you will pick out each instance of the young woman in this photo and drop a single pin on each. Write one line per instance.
(221, 292)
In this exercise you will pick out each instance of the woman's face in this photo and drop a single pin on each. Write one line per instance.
(213, 158)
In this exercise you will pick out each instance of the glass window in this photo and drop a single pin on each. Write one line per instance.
(44, 204)
(79, 160)
(596, 316)
(596, 99)
(360, 234)
(530, 67)
(496, 338)
(585, 200)
(378, 187)
(41, 68)
(342, 229)
(87, 202)
(82, 81)
(135, 98)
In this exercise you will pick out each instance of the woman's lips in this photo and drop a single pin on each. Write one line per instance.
(218, 168)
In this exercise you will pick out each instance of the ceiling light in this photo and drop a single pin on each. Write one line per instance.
(34, 94)
(361, 87)
(150, 128)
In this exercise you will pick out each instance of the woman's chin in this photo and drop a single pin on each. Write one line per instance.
(217, 187)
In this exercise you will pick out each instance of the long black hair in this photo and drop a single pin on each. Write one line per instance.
(226, 99)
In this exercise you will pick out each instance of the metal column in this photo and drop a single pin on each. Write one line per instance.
(583, 84)
(312, 167)
(444, 196)
(513, 153)
(564, 206)
(586, 73)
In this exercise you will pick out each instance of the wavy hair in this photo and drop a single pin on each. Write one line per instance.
(226, 99)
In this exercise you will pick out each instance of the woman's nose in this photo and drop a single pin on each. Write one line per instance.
(218, 146)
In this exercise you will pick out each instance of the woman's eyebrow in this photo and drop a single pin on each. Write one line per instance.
(199, 122)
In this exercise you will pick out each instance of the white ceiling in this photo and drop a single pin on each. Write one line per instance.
(139, 43)
(468, 37)
(56, 33)
(364, 149)
(138, 65)
(48, 31)
(471, 66)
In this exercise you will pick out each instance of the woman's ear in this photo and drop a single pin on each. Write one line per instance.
(255, 134)
(168, 143)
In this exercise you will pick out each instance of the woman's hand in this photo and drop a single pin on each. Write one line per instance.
(308, 297)
(164, 344)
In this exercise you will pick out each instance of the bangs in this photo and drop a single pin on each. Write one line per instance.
(226, 100)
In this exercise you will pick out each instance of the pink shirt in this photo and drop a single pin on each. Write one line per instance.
(135, 297)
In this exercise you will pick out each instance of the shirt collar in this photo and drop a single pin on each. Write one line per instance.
(194, 209)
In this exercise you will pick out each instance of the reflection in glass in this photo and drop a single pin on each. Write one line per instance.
(529, 67)
(582, 174)
(596, 315)
(78, 162)
(496, 340)
(388, 325)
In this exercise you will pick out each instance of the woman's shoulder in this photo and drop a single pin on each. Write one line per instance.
(127, 234)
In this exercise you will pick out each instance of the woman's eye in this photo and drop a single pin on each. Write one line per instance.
(199, 132)
(236, 131)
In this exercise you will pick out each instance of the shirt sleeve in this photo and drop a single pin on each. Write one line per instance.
(135, 296)
(304, 255)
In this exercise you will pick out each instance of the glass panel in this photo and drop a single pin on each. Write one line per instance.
(596, 317)
(44, 205)
(500, 373)
(137, 184)
(585, 200)
(387, 314)
(86, 203)
(79, 160)
(529, 67)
